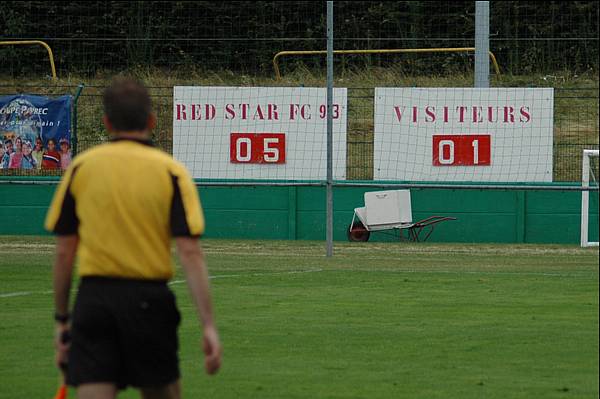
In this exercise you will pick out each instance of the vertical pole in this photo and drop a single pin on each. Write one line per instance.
(329, 230)
(482, 44)
(585, 198)
(74, 138)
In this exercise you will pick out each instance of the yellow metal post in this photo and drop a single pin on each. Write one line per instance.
(34, 42)
(381, 51)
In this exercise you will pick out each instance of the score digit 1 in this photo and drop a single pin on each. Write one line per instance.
(462, 150)
(257, 148)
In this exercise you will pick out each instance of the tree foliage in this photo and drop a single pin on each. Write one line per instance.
(243, 36)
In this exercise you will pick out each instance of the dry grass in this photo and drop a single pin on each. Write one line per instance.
(575, 114)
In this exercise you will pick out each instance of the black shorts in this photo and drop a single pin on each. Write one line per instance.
(124, 332)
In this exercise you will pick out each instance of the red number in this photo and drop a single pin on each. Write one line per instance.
(257, 148)
(335, 111)
(462, 150)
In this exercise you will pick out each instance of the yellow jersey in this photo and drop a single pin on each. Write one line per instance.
(126, 200)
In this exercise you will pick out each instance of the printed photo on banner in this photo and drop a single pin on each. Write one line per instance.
(35, 132)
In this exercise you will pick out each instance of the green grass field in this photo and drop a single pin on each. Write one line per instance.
(390, 320)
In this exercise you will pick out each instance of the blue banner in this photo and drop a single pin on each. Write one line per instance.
(35, 132)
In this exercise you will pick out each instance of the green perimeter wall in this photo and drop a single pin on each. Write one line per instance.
(298, 212)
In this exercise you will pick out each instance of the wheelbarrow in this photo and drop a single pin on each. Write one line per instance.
(390, 210)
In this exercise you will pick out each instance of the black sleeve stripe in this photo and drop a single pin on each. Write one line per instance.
(179, 224)
(67, 222)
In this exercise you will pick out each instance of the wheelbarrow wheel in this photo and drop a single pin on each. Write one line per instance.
(358, 233)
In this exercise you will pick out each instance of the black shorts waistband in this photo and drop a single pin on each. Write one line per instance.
(103, 280)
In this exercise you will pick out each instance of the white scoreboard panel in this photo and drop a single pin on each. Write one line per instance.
(258, 132)
(464, 134)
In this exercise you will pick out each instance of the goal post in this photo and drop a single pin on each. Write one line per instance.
(586, 171)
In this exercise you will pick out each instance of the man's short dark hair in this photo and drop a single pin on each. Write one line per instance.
(127, 105)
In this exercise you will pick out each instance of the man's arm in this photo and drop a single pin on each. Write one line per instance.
(192, 259)
(66, 248)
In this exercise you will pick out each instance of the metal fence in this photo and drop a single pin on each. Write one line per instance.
(93, 38)
(554, 44)
(575, 126)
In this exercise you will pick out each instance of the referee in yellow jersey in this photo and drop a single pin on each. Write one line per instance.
(117, 208)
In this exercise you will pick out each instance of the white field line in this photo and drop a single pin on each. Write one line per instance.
(26, 293)
(12, 294)
(396, 271)
(252, 275)
(384, 256)
(345, 249)
(21, 245)
(482, 272)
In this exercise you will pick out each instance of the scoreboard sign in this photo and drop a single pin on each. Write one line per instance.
(485, 135)
(258, 132)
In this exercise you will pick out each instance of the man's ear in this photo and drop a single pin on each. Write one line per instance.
(107, 123)
(151, 121)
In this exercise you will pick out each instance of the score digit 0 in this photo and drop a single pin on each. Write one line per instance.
(257, 148)
(462, 150)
